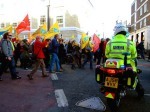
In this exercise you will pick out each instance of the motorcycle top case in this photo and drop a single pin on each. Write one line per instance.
(113, 63)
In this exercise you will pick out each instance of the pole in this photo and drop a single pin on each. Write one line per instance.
(103, 30)
(48, 18)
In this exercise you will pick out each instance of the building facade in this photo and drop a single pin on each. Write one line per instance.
(140, 22)
(68, 22)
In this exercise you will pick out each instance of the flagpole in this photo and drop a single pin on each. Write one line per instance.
(48, 18)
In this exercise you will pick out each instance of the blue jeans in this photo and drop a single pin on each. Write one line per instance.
(54, 59)
(11, 65)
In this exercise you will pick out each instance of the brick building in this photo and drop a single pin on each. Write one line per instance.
(140, 22)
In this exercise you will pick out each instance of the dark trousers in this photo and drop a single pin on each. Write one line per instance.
(100, 56)
(89, 57)
(149, 55)
(142, 54)
(16, 57)
(11, 65)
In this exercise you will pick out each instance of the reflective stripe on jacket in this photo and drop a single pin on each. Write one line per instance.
(119, 45)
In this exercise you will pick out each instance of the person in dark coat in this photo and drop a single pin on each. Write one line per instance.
(47, 54)
(54, 48)
(17, 52)
(101, 52)
(141, 49)
(25, 58)
(61, 53)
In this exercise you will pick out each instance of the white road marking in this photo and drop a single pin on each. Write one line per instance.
(61, 98)
(54, 76)
(92, 103)
(147, 94)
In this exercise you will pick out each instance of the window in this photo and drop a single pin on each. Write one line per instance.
(141, 11)
(140, 24)
(144, 22)
(60, 25)
(2, 25)
(42, 20)
(145, 8)
(59, 19)
(14, 25)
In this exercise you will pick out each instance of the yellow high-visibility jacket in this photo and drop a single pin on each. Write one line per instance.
(118, 45)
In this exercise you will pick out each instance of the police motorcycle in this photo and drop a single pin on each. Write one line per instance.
(115, 78)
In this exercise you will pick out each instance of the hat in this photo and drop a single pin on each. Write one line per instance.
(119, 28)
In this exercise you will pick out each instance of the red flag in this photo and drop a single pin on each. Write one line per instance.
(96, 42)
(24, 25)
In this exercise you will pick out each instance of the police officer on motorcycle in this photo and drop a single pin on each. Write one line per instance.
(120, 44)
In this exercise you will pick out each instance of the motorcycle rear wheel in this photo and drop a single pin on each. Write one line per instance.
(140, 90)
(113, 104)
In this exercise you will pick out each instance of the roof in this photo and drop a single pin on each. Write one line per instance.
(61, 29)
(70, 28)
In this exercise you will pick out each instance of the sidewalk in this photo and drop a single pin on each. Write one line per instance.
(25, 95)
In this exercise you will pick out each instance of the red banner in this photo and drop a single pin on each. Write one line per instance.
(96, 42)
(24, 25)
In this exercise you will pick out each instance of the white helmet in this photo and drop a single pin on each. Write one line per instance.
(119, 28)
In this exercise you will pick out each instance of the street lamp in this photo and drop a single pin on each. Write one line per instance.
(48, 17)
(90, 3)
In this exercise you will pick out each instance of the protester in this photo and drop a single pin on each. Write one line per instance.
(101, 52)
(24, 57)
(17, 52)
(141, 49)
(89, 54)
(76, 54)
(46, 54)
(61, 53)
(8, 58)
(54, 47)
(105, 43)
(38, 46)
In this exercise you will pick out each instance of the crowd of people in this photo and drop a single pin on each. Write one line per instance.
(45, 53)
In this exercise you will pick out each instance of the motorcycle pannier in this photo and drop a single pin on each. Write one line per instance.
(99, 75)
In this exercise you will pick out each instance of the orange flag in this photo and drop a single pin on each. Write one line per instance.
(24, 25)
(96, 42)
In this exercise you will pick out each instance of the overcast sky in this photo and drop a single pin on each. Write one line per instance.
(101, 17)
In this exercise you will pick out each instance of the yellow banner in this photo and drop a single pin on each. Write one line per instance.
(9, 28)
(84, 40)
(40, 32)
(53, 31)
